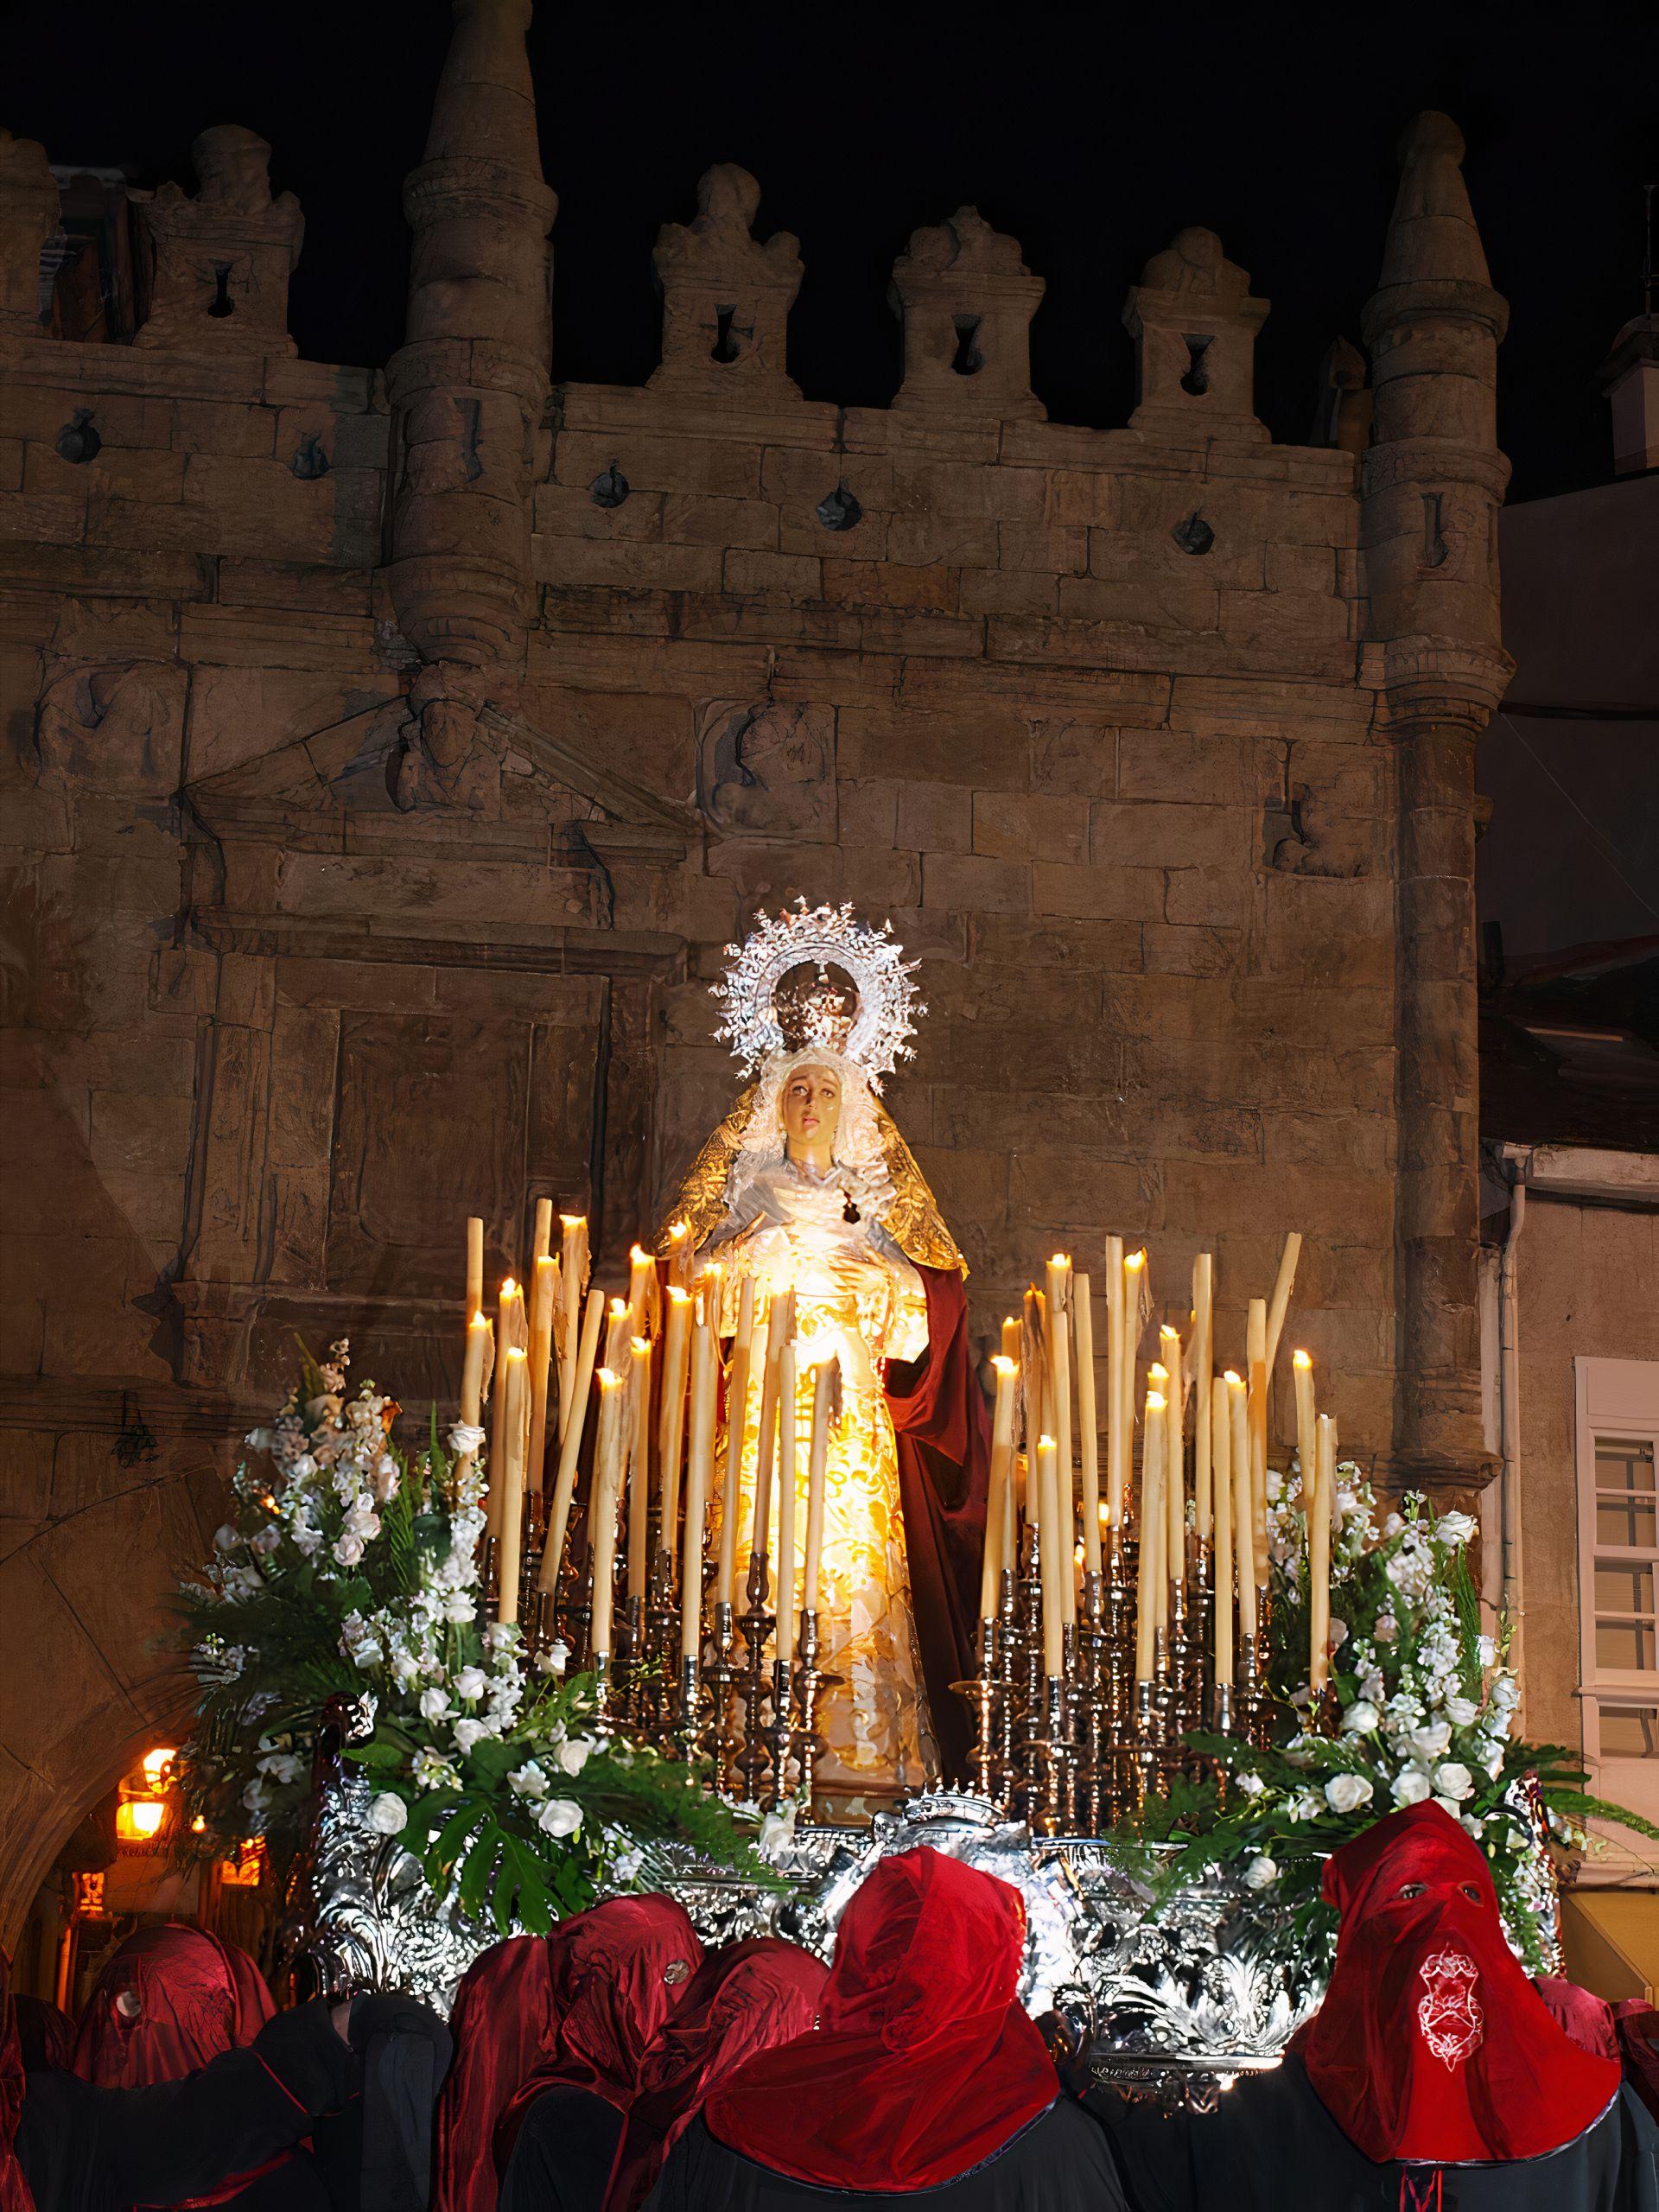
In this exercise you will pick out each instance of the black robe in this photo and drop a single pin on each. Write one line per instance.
(562, 2160)
(1058, 2164)
(86, 2148)
(1272, 2146)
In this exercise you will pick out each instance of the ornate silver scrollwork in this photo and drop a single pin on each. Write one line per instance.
(1170, 1995)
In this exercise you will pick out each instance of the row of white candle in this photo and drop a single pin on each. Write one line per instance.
(1041, 1358)
(764, 1356)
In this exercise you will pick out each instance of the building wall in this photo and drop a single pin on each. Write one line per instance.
(347, 898)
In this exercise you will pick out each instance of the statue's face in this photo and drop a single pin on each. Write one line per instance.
(811, 1108)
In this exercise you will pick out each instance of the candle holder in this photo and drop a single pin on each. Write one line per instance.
(780, 1729)
(813, 1682)
(599, 1664)
(633, 1662)
(691, 1734)
(756, 1626)
(663, 1640)
(980, 1694)
(1071, 1695)
(488, 1593)
(1249, 1700)
(1055, 1744)
(1091, 1752)
(1007, 1655)
(721, 1678)
(530, 1546)
(1144, 1756)
(1031, 1726)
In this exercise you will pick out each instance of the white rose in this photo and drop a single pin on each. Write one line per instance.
(559, 1816)
(225, 1538)
(348, 1548)
(464, 1439)
(1248, 1785)
(388, 1815)
(1360, 1718)
(434, 1704)
(1346, 1793)
(406, 1669)
(1487, 1650)
(1462, 1711)
(555, 1658)
(471, 1684)
(528, 1780)
(467, 1733)
(1454, 1529)
(777, 1833)
(1428, 1743)
(574, 1753)
(1506, 1693)
(1476, 1827)
(1452, 1780)
(1261, 1872)
(1450, 1805)
(1411, 1786)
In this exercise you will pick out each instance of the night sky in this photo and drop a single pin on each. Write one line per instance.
(1092, 134)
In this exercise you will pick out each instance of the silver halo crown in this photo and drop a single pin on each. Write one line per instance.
(883, 1024)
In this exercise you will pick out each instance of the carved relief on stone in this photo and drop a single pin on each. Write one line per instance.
(223, 259)
(449, 757)
(30, 210)
(768, 769)
(966, 299)
(1194, 325)
(726, 296)
(112, 729)
(1306, 837)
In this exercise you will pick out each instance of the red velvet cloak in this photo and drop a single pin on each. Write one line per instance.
(923, 2063)
(944, 1458)
(746, 1999)
(1432, 2046)
(575, 2009)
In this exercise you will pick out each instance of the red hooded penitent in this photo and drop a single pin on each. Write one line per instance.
(746, 1999)
(924, 2064)
(1432, 2046)
(573, 2010)
(168, 2001)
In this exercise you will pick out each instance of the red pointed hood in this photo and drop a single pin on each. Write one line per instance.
(168, 2000)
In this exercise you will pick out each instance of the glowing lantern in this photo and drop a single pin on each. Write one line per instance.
(139, 1818)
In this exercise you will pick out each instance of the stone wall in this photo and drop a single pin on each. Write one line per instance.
(388, 761)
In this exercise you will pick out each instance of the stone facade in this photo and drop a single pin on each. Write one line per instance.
(389, 758)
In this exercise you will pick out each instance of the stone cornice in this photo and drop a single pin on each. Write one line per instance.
(1438, 681)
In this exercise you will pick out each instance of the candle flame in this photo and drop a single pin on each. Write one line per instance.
(546, 1260)
(1061, 1260)
(607, 1379)
(676, 1229)
(1155, 1402)
(515, 1352)
(677, 1296)
(1158, 1372)
(638, 1255)
(1136, 1259)
(1169, 1336)
(1301, 1359)
(574, 1220)
(1005, 1366)
(1233, 1381)
(1045, 1444)
(619, 1306)
(478, 1321)
(641, 1346)
(509, 1288)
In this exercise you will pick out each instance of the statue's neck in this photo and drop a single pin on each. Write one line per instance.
(815, 1160)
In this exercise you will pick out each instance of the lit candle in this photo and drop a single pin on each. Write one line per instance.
(505, 1299)
(823, 1388)
(779, 1327)
(1255, 1345)
(1284, 1283)
(642, 1291)
(1082, 1323)
(618, 1334)
(565, 1483)
(671, 1427)
(1150, 1521)
(605, 1485)
(1221, 1439)
(1117, 1438)
(993, 1560)
(479, 1344)
(1317, 1511)
(544, 1302)
(1204, 1364)
(510, 1484)
(1053, 1575)
(737, 1409)
(1011, 1339)
(788, 1475)
(1135, 1278)
(572, 1284)
(1033, 1368)
(1169, 1352)
(474, 1266)
(640, 1469)
(679, 1251)
(699, 1473)
(1238, 1423)
(1301, 1368)
(1056, 1311)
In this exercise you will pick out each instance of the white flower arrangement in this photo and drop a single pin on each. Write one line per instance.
(350, 1568)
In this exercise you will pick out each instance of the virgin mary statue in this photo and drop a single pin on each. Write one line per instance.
(807, 1185)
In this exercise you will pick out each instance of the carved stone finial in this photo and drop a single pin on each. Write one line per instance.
(967, 299)
(1341, 410)
(30, 213)
(1194, 325)
(1431, 233)
(223, 259)
(726, 296)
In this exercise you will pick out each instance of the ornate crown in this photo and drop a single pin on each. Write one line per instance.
(769, 1008)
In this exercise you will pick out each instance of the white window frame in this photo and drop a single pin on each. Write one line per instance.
(1614, 1398)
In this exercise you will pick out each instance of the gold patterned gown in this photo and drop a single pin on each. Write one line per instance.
(860, 1300)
